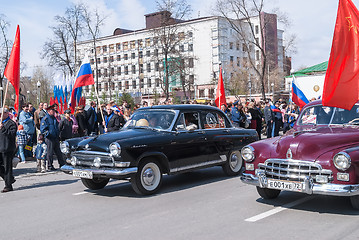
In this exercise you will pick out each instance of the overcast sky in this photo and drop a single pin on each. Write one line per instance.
(312, 21)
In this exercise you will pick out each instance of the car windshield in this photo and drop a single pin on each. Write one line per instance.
(156, 119)
(329, 115)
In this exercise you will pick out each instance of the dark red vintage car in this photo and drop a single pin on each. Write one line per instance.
(320, 155)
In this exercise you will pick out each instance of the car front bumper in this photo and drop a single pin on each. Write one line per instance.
(309, 186)
(109, 173)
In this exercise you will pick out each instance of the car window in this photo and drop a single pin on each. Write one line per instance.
(158, 119)
(187, 121)
(213, 120)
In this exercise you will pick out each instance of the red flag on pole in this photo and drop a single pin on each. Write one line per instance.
(341, 84)
(220, 95)
(12, 70)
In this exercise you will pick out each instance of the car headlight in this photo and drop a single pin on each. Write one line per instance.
(342, 161)
(65, 147)
(248, 153)
(115, 149)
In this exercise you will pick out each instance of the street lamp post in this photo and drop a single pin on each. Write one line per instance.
(38, 84)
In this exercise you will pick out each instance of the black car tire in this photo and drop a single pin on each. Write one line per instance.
(148, 179)
(234, 164)
(96, 183)
(267, 193)
(354, 200)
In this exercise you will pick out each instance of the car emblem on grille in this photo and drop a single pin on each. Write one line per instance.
(289, 154)
(87, 147)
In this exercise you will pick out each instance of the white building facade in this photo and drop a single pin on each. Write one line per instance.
(128, 60)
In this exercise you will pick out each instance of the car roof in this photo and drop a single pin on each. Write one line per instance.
(182, 107)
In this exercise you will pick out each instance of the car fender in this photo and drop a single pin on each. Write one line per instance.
(161, 157)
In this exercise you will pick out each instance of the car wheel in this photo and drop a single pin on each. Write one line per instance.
(96, 183)
(355, 201)
(267, 193)
(234, 164)
(148, 179)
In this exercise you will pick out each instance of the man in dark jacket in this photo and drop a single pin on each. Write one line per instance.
(236, 115)
(112, 121)
(65, 126)
(92, 119)
(268, 116)
(7, 149)
(49, 128)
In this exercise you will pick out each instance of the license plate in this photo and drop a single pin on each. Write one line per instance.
(285, 185)
(82, 174)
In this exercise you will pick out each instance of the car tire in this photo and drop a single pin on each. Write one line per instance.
(354, 200)
(267, 193)
(96, 183)
(148, 179)
(234, 164)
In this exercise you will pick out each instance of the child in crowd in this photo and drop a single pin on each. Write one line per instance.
(21, 139)
(40, 152)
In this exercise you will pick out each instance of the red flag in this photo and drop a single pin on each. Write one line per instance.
(220, 95)
(341, 84)
(12, 70)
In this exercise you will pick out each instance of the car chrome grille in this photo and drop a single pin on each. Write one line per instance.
(85, 158)
(293, 170)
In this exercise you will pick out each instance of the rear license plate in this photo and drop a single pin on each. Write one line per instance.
(285, 185)
(82, 174)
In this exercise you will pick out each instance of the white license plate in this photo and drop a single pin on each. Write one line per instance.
(82, 174)
(285, 185)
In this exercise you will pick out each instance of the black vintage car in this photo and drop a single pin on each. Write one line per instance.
(158, 140)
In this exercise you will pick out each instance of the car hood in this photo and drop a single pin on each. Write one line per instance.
(309, 144)
(102, 142)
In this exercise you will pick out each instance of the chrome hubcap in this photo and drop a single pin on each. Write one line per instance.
(234, 160)
(148, 177)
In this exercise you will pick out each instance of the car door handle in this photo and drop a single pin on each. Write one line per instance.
(201, 132)
(226, 130)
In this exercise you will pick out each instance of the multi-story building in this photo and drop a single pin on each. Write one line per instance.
(130, 61)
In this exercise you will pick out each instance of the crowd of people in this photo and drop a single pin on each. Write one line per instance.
(36, 133)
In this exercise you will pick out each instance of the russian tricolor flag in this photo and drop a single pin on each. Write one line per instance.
(84, 78)
(298, 97)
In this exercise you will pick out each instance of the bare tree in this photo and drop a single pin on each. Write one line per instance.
(44, 76)
(94, 21)
(168, 36)
(61, 50)
(5, 48)
(240, 16)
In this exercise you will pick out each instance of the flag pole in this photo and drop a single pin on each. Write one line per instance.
(3, 105)
(98, 103)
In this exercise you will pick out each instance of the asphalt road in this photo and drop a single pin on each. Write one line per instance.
(200, 205)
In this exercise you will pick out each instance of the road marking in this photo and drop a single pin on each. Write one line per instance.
(277, 209)
(79, 193)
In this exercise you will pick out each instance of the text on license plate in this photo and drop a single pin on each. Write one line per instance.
(285, 185)
(82, 174)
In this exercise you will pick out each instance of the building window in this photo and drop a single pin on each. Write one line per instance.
(190, 34)
(157, 67)
(105, 59)
(181, 48)
(140, 54)
(111, 58)
(157, 82)
(155, 53)
(119, 71)
(105, 73)
(127, 85)
(112, 84)
(257, 29)
(118, 46)
(99, 86)
(141, 68)
(237, 46)
(191, 79)
(126, 70)
(118, 57)
(133, 69)
(231, 59)
(104, 48)
(190, 47)
(125, 46)
(125, 56)
(190, 62)
(201, 93)
(106, 86)
(112, 71)
(133, 44)
(149, 82)
(140, 43)
(133, 55)
(230, 45)
(148, 42)
(238, 62)
(142, 83)
(111, 47)
(257, 54)
(148, 53)
(92, 61)
(244, 47)
(120, 85)
(155, 40)
(148, 67)
(133, 84)
(181, 36)
(99, 72)
(98, 60)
